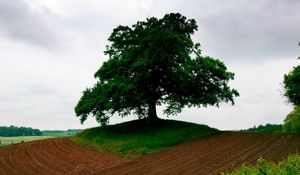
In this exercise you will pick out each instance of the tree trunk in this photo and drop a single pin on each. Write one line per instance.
(152, 116)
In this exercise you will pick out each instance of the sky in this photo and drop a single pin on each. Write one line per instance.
(50, 50)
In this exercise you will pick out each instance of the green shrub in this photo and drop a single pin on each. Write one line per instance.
(292, 122)
(289, 166)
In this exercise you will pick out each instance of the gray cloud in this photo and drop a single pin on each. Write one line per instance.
(263, 29)
(19, 21)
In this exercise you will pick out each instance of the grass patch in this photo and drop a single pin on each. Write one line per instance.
(289, 166)
(136, 138)
(19, 139)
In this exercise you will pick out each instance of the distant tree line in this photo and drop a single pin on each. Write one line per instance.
(18, 131)
(268, 128)
(74, 130)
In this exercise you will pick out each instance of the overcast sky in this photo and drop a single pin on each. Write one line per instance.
(50, 49)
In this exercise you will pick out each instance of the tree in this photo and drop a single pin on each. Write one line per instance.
(151, 63)
(291, 84)
(292, 92)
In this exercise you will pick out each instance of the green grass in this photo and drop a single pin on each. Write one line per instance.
(19, 139)
(136, 138)
(290, 166)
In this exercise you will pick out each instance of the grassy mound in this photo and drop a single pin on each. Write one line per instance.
(136, 138)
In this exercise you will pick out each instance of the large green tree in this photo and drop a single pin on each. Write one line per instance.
(151, 63)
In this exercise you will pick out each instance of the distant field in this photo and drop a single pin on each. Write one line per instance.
(59, 133)
(13, 140)
(45, 135)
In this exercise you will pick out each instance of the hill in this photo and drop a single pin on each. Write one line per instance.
(136, 138)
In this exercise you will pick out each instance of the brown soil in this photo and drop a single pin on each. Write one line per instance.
(210, 155)
(53, 157)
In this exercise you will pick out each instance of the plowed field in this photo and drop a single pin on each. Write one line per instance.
(53, 157)
(210, 155)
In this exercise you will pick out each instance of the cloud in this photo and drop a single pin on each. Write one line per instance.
(20, 22)
(261, 28)
(39, 87)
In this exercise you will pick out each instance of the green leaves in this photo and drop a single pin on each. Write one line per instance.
(155, 62)
(292, 121)
(292, 86)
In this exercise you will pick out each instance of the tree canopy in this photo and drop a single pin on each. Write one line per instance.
(151, 63)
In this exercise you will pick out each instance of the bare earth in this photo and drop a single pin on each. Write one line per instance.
(53, 157)
(210, 155)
